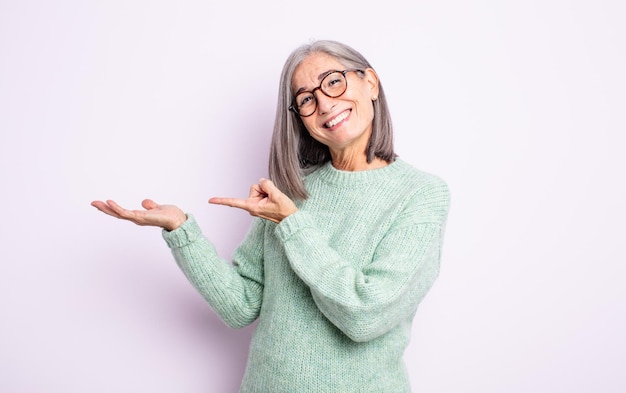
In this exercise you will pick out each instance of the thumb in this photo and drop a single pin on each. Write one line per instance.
(268, 186)
(149, 204)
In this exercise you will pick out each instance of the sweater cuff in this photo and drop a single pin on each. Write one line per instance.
(185, 234)
(291, 225)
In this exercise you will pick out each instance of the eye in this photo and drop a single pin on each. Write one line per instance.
(305, 99)
(334, 80)
(334, 83)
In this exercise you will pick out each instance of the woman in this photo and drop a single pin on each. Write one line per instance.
(346, 244)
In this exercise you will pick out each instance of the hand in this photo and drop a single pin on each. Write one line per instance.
(168, 217)
(265, 201)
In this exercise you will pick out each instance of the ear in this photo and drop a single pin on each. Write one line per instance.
(372, 80)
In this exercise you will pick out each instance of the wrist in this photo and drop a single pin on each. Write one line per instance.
(180, 220)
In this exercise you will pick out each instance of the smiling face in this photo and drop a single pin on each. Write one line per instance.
(343, 123)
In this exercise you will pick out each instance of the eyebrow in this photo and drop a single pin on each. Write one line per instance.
(319, 78)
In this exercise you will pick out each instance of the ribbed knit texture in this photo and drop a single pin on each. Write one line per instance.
(335, 285)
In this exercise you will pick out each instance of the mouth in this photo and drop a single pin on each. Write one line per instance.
(337, 119)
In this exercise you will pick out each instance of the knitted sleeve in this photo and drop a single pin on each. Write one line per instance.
(234, 291)
(366, 303)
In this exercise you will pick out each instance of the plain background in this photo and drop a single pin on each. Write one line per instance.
(518, 105)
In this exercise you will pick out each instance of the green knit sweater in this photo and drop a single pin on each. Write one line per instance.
(335, 285)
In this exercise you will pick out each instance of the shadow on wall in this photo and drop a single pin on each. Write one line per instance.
(217, 341)
(136, 301)
(245, 159)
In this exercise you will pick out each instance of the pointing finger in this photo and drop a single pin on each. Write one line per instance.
(232, 202)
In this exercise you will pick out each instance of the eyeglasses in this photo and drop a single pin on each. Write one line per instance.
(333, 85)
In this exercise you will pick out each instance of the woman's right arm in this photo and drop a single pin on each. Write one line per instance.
(234, 291)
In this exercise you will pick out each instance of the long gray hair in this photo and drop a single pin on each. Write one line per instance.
(293, 151)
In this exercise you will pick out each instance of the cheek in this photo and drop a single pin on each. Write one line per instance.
(364, 102)
(308, 124)
(367, 109)
(313, 130)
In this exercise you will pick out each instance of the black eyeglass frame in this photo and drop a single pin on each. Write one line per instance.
(294, 107)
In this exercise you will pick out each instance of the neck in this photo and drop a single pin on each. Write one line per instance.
(356, 163)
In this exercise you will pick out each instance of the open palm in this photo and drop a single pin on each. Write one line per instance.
(168, 217)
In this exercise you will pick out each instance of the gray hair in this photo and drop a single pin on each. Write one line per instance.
(293, 152)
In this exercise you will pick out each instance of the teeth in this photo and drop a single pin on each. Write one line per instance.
(336, 120)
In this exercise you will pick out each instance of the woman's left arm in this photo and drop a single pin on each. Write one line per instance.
(368, 302)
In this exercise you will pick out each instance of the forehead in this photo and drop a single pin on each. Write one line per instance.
(312, 69)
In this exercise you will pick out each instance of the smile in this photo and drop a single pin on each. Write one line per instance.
(337, 119)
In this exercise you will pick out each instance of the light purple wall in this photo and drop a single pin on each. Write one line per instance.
(518, 105)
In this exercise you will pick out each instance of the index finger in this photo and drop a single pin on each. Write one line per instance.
(232, 202)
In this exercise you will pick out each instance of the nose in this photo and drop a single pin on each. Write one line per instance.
(324, 102)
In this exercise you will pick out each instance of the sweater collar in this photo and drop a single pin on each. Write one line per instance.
(329, 174)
